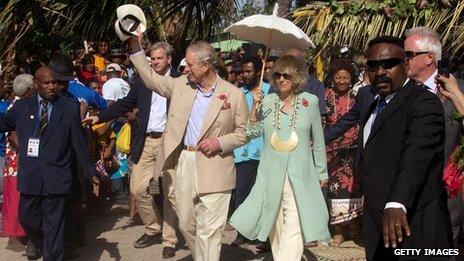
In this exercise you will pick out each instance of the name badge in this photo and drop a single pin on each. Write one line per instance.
(33, 147)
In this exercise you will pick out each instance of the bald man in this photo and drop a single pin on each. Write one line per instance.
(49, 131)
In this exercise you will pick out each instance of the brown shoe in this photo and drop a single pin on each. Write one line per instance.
(168, 252)
(311, 244)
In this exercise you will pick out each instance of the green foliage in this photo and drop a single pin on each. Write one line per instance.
(250, 8)
(400, 9)
(66, 21)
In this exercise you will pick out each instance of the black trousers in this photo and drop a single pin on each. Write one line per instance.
(246, 176)
(43, 219)
(456, 210)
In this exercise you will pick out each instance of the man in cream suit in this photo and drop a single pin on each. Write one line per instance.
(206, 122)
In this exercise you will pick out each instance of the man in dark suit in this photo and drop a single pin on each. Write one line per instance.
(402, 160)
(49, 131)
(152, 119)
(423, 50)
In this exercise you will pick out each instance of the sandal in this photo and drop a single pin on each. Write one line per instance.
(311, 244)
(337, 240)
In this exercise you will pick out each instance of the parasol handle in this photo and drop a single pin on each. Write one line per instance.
(260, 85)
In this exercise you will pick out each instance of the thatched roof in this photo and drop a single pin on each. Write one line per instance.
(354, 23)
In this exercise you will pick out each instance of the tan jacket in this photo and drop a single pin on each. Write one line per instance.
(214, 174)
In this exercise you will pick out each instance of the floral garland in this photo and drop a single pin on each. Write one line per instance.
(293, 119)
(454, 168)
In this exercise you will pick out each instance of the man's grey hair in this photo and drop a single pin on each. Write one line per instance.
(203, 51)
(428, 40)
(161, 45)
(22, 83)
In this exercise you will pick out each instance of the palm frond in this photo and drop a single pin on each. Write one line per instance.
(328, 29)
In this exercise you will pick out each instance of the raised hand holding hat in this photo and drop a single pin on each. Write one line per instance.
(131, 21)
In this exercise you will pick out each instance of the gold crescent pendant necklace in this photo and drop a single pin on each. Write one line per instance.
(292, 142)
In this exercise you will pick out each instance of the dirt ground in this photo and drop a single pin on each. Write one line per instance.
(109, 238)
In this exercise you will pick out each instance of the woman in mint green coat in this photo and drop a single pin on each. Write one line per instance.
(286, 202)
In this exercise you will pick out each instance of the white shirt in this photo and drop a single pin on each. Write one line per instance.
(370, 121)
(115, 89)
(158, 111)
(430, 82)
(367, 132)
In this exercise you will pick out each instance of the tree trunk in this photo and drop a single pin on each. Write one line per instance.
(284, 7)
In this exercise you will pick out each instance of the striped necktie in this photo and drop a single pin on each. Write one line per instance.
(43, 117)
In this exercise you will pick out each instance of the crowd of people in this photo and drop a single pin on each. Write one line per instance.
(290, 162)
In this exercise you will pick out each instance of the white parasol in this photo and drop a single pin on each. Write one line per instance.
(272, 31)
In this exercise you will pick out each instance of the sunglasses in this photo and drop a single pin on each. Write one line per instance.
(373, 65)
(277, 76)
(410, 54)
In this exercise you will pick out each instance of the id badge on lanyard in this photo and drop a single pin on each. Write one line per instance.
(33, 144)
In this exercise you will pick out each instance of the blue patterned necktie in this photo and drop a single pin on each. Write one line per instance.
(43, 116)
(381, 104)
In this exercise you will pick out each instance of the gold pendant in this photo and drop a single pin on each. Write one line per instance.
(287, 145)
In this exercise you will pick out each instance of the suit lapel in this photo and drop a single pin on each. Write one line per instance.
(34, 117)
(214, 108)
(393, 105)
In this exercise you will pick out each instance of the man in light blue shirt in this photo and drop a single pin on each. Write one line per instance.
(75, 90)
(247, 157)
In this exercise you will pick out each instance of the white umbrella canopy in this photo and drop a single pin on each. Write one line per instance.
(272, 31)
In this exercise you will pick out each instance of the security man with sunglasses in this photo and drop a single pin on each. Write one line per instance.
(401, 158)
(423, 51)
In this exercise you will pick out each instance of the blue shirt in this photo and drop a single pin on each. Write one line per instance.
(3, 108)
(83, 93)
(49, 108)
(251, 150)
(195, 122)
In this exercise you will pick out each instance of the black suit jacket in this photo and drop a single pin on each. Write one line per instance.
(139, 96)
(363, 101)
(402, 161)
(64, 136)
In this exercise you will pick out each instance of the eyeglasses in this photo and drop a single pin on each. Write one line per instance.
(277, 76)
(373, 65)
(410, 54)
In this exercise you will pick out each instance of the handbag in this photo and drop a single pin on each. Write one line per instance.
(123, 141)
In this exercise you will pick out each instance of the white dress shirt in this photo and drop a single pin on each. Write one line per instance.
(370, 121)
(158, 111)
(430, 82)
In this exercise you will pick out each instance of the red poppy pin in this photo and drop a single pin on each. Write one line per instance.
(305, 102)
(222, 96)
(226, 104)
